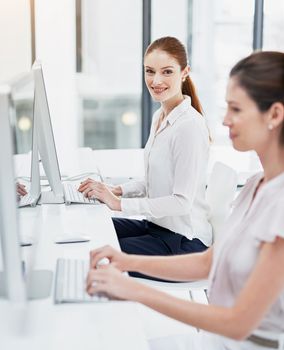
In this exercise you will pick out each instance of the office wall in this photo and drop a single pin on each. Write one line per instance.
(15, 38)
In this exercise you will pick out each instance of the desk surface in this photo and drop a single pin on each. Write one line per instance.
(43, 325)
(119, 325)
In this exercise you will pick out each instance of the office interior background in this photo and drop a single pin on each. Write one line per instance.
(92, 56)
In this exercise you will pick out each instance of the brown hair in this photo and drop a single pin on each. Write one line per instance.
(261, 75)
(173, 47)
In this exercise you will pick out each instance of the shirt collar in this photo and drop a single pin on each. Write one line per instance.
(274, 184)
(179, 110)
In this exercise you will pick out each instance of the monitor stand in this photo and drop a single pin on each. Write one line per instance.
(48, 197)
(38, 285)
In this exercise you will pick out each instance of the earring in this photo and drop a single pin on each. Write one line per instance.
(270, 126)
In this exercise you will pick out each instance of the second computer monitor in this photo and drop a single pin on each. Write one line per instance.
(43, 141)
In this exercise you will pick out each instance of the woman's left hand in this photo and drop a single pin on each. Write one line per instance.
(21, 189)
(101, 192)
(109, 280)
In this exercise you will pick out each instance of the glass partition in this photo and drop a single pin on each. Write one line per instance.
(222, 34)
(110, 81)
(273, 27)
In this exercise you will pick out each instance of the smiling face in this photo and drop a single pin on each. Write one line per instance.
(247, 124)
(163, 76)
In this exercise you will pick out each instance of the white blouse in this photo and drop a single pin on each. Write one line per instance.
(236, 252)
(176, 159)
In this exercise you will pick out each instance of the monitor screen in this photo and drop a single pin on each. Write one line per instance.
(12, 281)
(21, 116)
(15, 284)
(44, 149)
(21, 112)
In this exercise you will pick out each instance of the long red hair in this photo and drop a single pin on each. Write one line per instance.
(173, 47)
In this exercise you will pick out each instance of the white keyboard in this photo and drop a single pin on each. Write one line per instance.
(72, 195)
(70, 282)
(27, 200)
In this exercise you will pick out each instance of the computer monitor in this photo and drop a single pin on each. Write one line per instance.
(21, 111)
(15, 285)
(12, 283)
(43, 142)
(20, 102)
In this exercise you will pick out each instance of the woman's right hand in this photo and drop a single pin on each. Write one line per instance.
(116, 258)
(110, 281)
(116, 190)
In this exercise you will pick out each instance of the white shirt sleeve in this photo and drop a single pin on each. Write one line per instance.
(133, 189)
(189, 154)
(270, 224)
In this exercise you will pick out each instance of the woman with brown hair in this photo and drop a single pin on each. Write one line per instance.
(172, 197)
(245, 266)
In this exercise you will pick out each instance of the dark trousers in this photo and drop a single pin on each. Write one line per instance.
(145, 238)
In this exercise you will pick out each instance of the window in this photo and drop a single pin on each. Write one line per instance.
(222, 34)
(110, 82)
(273, 27)
(217, 34)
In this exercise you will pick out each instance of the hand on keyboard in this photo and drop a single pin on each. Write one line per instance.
(100, 191)
(70, 282)
(108, 254)
(24, 196)
(116, 190)
(21, 189)
(113, 283)
(72, 195)
(102, 262)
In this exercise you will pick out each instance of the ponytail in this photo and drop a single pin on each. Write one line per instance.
(189, 90)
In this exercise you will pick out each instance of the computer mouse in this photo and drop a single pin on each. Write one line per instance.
(103, 261)
(26, 241)
(72, 239)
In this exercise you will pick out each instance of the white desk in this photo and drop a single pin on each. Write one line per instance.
(43, 325)
(119, 325)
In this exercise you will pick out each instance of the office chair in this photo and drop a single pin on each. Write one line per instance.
(220, 192)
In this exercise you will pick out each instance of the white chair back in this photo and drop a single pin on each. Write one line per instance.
(220, 193)
(221, 189)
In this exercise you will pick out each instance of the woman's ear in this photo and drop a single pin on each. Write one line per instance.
(276, 114)
(185, 72)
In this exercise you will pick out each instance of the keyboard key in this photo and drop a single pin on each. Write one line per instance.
(70, 282)
(27, 200)
(72, 195)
